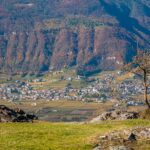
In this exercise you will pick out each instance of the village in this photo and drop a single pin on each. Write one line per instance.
(100, 90)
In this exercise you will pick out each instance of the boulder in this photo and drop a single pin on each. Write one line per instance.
(132, 137)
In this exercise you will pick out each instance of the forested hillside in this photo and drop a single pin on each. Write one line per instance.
(40, 35)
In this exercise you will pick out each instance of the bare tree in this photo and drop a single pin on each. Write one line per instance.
(141, 67)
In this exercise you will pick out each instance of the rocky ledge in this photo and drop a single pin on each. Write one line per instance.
(15, 115)
(116, 115)
(130, 139)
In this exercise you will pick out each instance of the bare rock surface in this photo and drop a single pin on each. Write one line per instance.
(122, 140)
(116, 115)
(16, 115)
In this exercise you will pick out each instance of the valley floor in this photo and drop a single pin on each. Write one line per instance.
(60, 136)
(61, 111)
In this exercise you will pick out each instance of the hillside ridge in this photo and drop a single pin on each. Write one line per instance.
(37, 36)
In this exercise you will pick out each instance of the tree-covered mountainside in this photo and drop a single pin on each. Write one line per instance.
(40, 35)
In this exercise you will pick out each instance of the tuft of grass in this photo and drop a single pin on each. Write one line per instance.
(58, 136)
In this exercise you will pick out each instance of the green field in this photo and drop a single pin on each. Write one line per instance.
(51, 80)
(58, 136)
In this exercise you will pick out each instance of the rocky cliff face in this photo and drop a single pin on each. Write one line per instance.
(90, 35)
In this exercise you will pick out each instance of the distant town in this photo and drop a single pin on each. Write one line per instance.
(99, 90)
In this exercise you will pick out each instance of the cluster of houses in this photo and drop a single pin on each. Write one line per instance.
(99, 91)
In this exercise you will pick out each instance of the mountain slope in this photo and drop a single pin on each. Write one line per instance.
(39, 35)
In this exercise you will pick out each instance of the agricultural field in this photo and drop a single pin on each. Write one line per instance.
(59, 80)
(57, 111)
(5, 78)
(51, 80)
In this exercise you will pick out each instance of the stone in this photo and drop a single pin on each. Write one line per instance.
(132, 137)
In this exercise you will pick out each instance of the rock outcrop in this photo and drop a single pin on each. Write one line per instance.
(121, 140)
(16, 115)
(116, 115)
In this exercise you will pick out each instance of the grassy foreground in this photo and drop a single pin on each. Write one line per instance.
(58, 136)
